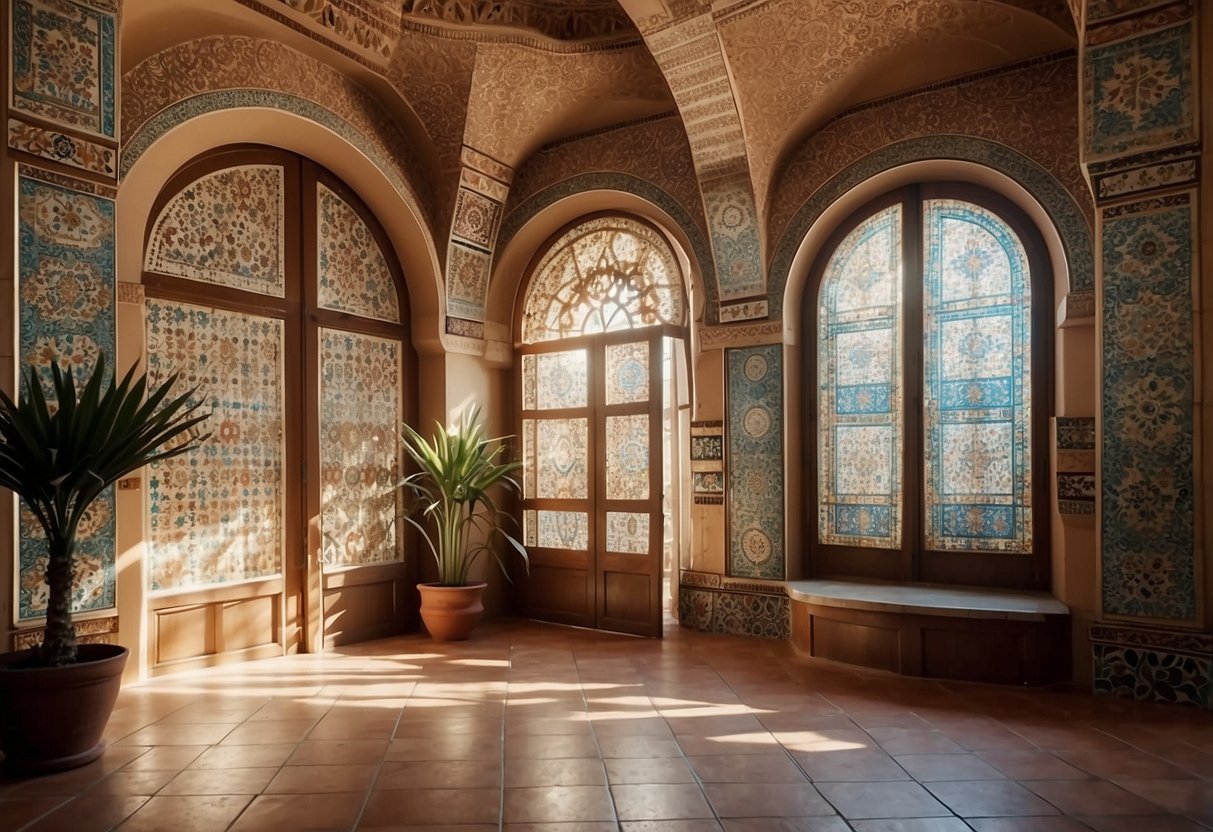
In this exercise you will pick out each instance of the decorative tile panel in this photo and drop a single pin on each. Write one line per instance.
(733, 223)
(554, 380)
(716, 610)
(66, 308)
(1153, 664)
(627, 457)
(707, 462)
(1148, 510)
(554, 458)
(467, 281)
(88, 631)
(859, 381)
(1100, 10)
(360, 416)
(63, 62)
(556, 529)
(216, 515)
(1140, 92)
(977, 391)
(754, 381)
(225, 228)
(476, 218)
(62, 148)
(1075, 453)
(627, 532)
(352, 273)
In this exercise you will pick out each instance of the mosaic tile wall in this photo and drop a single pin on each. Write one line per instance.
(713, 604)
(1075, 455)
(1148, 520)
(216, 515)
(63, 57)
(1157, 665)
(707, 462)
(484, 185)
(225, 228)
(65, 285)
(360, 415)
(352, 274)
(754, 468)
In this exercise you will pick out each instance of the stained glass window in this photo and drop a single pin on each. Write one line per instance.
(974, 324)
(977, 390)
(603, 275)
(859, 378)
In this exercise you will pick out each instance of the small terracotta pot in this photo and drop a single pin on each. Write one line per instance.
(52, 718)
(450, 612)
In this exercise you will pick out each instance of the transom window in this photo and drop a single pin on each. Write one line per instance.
(924, 369)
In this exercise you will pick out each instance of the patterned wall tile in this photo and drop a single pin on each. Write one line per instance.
(225, 228)
(707, 462)
(1139, 93)
(1075, 454)
(747, 311)
(754, 384)
(1148, 511)
(713, 610)
(202, 529)
(66, 312)
(733, 224)
(62, 148)
(467, 281)
(352, 273)
(1153, 675)
(1099, 10)
(476, 218)
(63, 62)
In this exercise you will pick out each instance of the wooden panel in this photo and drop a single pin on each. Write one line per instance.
(976, 655)
(627, 600)
(184, 633)
(560, 595)
(361, 611)
(856, 643)
(249, 623)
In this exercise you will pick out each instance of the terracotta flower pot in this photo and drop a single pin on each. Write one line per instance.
(450, 612)
(52, 718)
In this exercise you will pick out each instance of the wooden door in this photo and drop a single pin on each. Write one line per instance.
(590, 411)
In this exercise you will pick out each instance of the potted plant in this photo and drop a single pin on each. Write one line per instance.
(456, 471)
(58, 456)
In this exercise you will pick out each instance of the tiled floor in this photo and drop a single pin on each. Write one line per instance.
(528, 726)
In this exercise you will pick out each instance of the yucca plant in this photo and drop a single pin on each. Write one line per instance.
(58, 456)
(457, 469)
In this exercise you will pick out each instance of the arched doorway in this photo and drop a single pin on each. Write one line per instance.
(271, 287)
(600, 328)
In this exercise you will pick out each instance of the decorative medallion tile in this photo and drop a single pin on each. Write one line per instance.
(66, 309)
(476, 218)
(60, 147)
(353, 274)
(735, 239)
(467, 281)
(754, 381)
(63, 63)
(1139, 93)
(1148, 510)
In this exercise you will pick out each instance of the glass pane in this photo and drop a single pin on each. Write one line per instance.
(977, 371)
(627, 373)
(528, 458)
(603, 275)
(627, 458)
(352, 275)
(860, 387)
(556, 458)
(529, 382)
(627, 532)
(558, 530)
(559, 380)
(360, 414)
(216, 513)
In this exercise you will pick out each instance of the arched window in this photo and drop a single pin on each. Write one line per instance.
(927, 340)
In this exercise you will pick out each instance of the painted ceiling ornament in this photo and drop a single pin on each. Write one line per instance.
(563, 20)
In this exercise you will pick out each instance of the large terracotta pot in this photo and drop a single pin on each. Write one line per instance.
(52, 718)
(450, 612)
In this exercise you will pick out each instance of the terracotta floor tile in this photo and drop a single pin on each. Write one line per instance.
(638, 747)
(301, 811)
(322, 779)
(451, 747)
(752, 800)
(629, 726)
(521, 773)
(354, 727)
(1113, 765)
(16, 812)
(558, 803)
(186, 814)
(990, 798)
(882, 800)
(550, 746)
(1153, 823)
(648, 770)
(1091, 797)
(1191, 798)
(811, 824)
(337, 752)
(577, 724)
(911, 825)
(695, 825)
(244, 756)
(446, 727)
(747, 768)
(929, 767)
(1047, 824)
(269, 733)
(166, 757)
(1032, 765)
(439, 774)
(753, 742)
(660, 802)
(159, 734)
(863, 765)
(133, 782)
(219, 781)
(897, 741)
(581, 826)
(431, 807)
(90, 812)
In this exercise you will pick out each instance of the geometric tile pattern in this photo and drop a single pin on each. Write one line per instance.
(352, 273)
(754, 381)
(1139, 92)
(225, 228)
(216, 515)
(1153, 664)
(719, 610)
(1075, 455)
(65, 285)
(977, 385)
(859, 420)
(1148, 511)
(63, 62)
(360, 414)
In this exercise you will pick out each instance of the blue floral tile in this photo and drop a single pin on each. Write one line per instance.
(755, 462)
